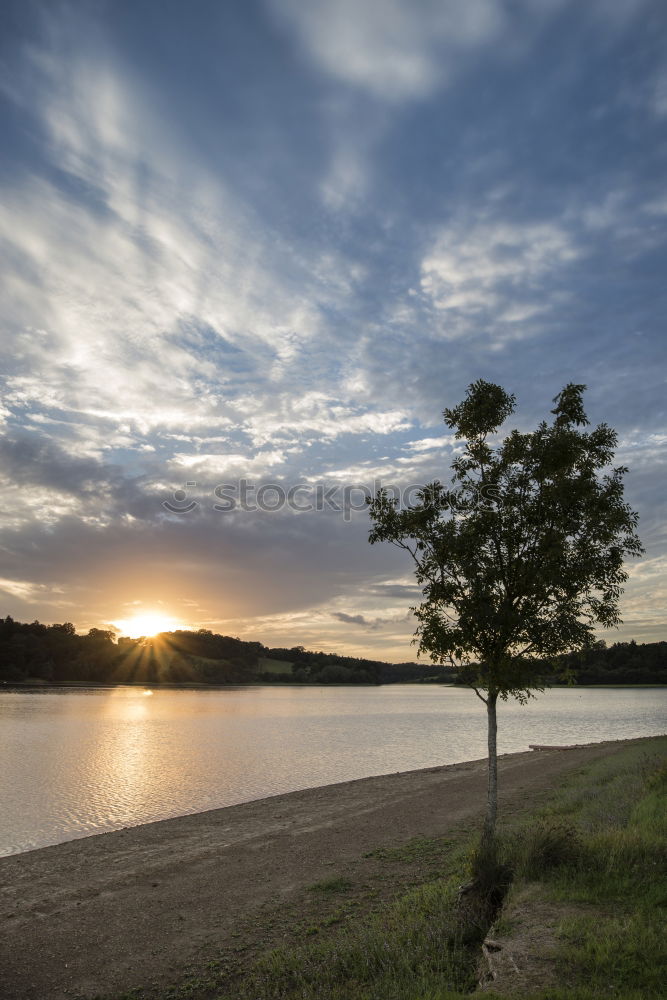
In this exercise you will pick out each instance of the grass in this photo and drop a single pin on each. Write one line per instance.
(411, 945)
(595, 855)
(599, 852)
(420, 849)
(332, 885)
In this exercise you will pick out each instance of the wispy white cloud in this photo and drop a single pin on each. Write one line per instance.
(398, 50)
(154, 298)
(347, 178)
(23, 589)
(317, 413)
(433, 443)
(381, 47)
(214, 465)
(498, 270)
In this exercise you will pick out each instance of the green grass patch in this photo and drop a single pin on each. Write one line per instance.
(616, 952)
(332, 885)
(420, 849)
(599, 850)
(411, 949)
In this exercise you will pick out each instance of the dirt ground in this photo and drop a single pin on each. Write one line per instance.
(521, 961)
(135, 908)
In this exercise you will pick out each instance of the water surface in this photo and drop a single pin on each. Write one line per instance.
(73, 763)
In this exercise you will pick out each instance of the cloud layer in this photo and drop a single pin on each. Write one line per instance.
(273, 242)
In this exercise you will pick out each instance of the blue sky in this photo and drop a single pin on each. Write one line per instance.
(274, 240)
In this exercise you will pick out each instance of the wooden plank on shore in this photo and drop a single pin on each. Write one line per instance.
(540, 746)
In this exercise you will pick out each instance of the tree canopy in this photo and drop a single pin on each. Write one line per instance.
(522, 556)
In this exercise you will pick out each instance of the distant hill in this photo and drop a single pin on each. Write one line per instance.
(51, 654)
(33, 653)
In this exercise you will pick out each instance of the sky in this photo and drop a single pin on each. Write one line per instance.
(269, 241)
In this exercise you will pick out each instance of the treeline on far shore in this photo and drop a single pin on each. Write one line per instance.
(37, 654)
(33, 653)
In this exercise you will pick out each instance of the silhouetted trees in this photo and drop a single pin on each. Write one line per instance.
(33, 653)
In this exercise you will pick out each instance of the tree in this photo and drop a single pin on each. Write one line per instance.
(101, 635)
(522, 556)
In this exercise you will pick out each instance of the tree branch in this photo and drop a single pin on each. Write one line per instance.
(480, 696)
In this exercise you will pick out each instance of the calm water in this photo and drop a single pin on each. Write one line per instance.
(74, 763)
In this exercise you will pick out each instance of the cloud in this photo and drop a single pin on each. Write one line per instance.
(33, 460)
(285, 267)
(229, 564)
(499, 266)
(659, 96)
(159, 302)
(315, 412)
(350, 619)
(23, 589)
(386, 47)
(401, 50)
(433, 443)
(395, 591)
(347, 178)
(375, 624)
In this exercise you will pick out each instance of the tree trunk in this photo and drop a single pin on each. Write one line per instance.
(492, 787)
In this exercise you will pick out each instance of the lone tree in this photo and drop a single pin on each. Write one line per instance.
(523, 556)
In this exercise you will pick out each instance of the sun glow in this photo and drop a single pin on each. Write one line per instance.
(147, 624)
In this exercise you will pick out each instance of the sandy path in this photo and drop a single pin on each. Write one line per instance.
(131, 908)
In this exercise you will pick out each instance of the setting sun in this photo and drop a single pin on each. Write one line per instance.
(147, 624)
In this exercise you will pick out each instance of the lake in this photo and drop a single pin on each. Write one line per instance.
(78, 762)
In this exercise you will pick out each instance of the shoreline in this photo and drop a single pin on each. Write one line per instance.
(321, 791)
(21, 688)
(119, 910)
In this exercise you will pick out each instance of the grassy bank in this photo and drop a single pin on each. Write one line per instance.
(590, 890)
(583, 918)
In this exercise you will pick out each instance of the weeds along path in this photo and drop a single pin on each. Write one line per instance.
(137, 907)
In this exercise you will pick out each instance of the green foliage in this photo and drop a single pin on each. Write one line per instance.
(545, 845)
(627, 950)
(489, 870)
(606, 864)
(620, 663)
(523, 555)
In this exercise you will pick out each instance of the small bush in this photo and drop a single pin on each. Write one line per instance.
(545, 846)
(490, 874)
